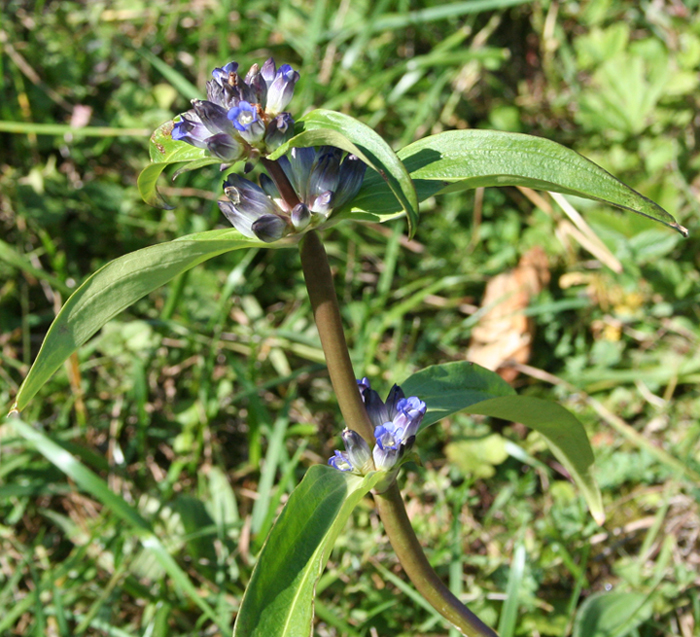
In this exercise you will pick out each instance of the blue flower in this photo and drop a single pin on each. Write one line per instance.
(241, 118)
(322, 180)
(356, 457)
(395, 422)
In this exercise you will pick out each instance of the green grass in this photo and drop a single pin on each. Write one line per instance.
(200, 408)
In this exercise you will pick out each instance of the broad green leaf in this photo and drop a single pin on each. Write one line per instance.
(457, 160)
(463, 386)
(375, 151)
(279, 599)
(165, 151)
(91, 483)
(116, 286)
(612, 614)
(563, 432)
(452, 387)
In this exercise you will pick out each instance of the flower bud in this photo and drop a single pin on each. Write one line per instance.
(279, 130)
(301, 217)
(225, 147)
(213, 116)
(358, 451)
(269, 228)
(281, 90)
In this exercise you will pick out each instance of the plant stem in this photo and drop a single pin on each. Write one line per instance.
(319, 283)
(413, 560)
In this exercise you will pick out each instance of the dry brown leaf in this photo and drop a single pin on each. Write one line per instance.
(504, 333)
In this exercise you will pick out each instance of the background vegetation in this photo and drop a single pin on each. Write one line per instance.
(203, 405)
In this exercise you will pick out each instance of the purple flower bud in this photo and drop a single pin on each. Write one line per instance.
(269, 228)
(363, 384)
(357, 451)
(281, 90)
(269, 186)
(384, 459)
(249, 204)
(323, 204)
(352, 173)
(301, 217)
(239, 219)
(213, 117)
(279, 130)
(190, 129)
(225, 147)
(248, 109)
(247, 195)
(221, 75)
(325, 172)
(297, 165)
(269, 70)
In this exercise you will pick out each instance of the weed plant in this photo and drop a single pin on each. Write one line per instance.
(195, 404)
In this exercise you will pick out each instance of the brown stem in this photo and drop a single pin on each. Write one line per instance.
(280, 178)
(410, 553)
(319, 283)
(324, 302)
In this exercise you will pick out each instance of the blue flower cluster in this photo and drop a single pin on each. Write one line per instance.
(322, 180)
(242, 117)
(396, 424)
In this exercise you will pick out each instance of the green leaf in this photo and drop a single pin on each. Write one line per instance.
(457, 160)
(93, 484)
(452, 387)
(165, 151)
(463, 386)
(279, 597)
(611, 614)
(563, 432)
(116, 286)
(373, 150)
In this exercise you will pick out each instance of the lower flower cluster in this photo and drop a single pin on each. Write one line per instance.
(396, 424)
(322, 182)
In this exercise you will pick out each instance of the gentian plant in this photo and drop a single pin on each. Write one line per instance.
(318, 170)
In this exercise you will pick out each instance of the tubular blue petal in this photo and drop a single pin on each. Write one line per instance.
(352, 174)
(190, 129)
(269, 228)
(225, 147)
(340, 461)
(325, 172)
(279, 130)
(358, 451)
(269, 186)
(301, 217)
(323, 204)
(239, 220)
(281, 90)
(213, 116)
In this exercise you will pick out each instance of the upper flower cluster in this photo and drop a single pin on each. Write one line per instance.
(242, 117)
(314, 182)
(396, 424)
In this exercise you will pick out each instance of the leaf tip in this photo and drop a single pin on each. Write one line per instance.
(682, 229)
(599, 517)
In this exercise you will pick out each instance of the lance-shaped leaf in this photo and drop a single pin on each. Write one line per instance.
(457, 160)
(279, 599)
(164, 152)
(453, 387)
(116, 286)
(357, 138)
